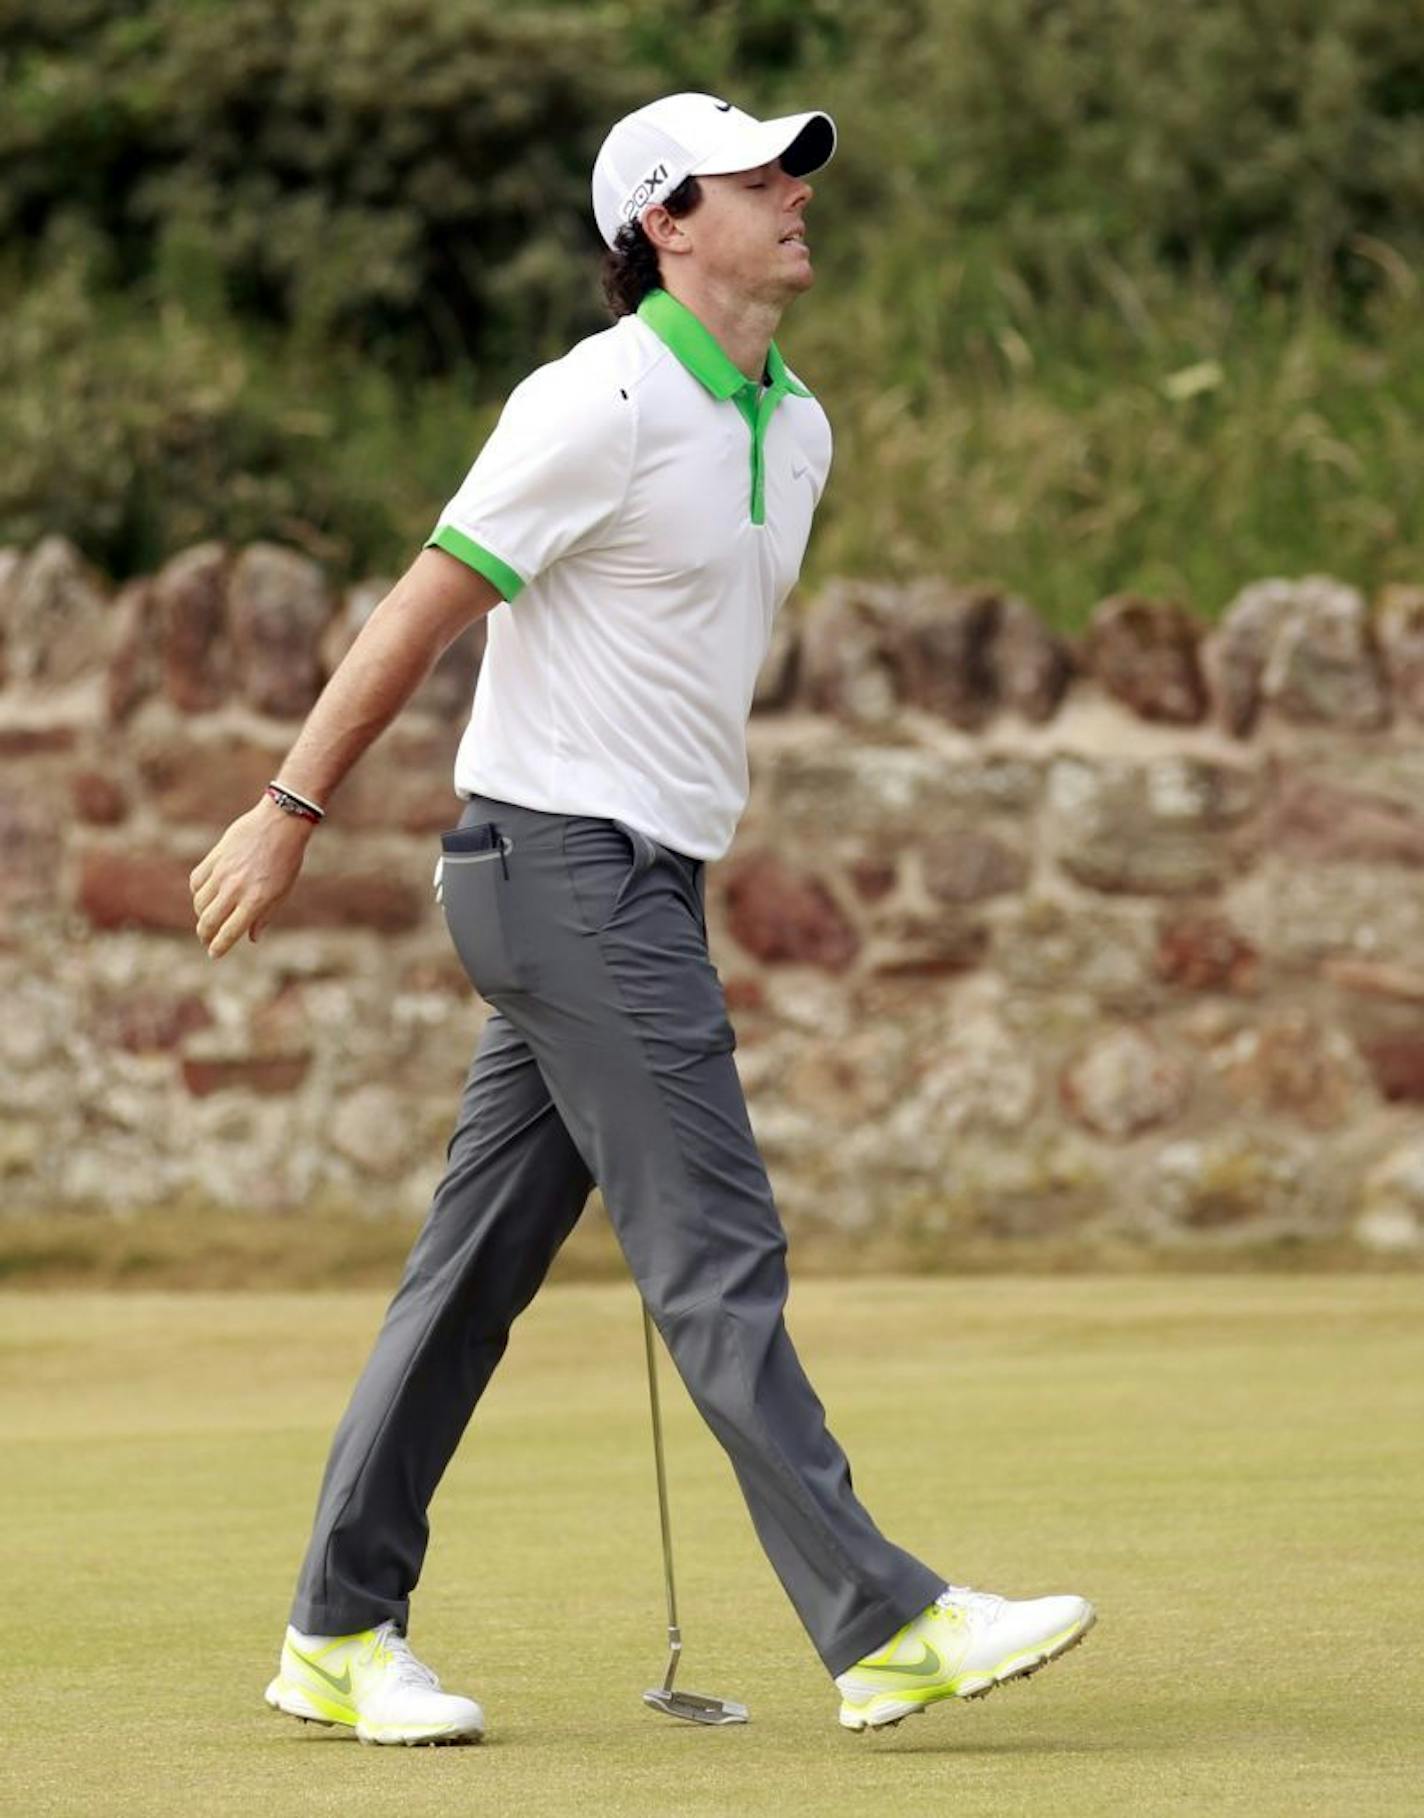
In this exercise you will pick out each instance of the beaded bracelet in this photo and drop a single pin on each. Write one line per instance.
(292, 803)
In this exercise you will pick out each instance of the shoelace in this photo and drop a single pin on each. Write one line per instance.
(986, 1603)
(391, 1645)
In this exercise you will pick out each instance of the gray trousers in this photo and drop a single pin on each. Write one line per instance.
(607, 1058)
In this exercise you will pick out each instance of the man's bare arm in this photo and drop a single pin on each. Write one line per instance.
(239, 884)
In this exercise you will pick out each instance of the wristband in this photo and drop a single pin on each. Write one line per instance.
(292, 803)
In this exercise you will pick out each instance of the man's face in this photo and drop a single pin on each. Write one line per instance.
(748, 232)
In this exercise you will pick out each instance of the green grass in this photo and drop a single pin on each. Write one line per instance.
(1230, 1467)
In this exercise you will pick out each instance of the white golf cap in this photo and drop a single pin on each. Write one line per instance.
(648, 153)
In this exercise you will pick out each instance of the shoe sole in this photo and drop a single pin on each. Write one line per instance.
(890, 1713)
(289, 1701)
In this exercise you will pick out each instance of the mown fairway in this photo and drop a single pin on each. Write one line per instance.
(1230, 1468)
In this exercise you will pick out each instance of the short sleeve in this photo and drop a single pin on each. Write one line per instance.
(551, 478)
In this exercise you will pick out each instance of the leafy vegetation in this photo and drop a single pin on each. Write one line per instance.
(1109, 294)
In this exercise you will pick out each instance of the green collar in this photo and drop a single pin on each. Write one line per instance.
(703, 355)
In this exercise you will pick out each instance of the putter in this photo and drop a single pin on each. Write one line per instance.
(693, 1707)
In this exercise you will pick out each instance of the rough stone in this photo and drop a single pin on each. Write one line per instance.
(1236, 652)
(1303, 915)
(1041, 1185)
(373, 1128)
(1236, 1186)
(11, 562)
(439, 975)
(1030, 666)
(98, 799)
(1396, 1061)
(190, 601)
(980, 1076)
(123, 887)
(940, 646)
(405, 781)
(846, 664)
(352, 899)
(1399, 627)
(56, 611)
(777, 913)
(1144, 653)
(885, 797)
(744, 992)
(269, 1074)
(1103, 951)
(776, 680)
(1288, 1065)
(1376, 978)
(872, 879)
(1199, 950)
(134, 648)
(31, 844)
(1124, 1082)
(1169, 826)
(151, 1021)
(1314, 818)
(207, 782)
(278, 608)
(36, 741)
(1390, 1216)
(968, 866)
(1324, 665)
(907, 944)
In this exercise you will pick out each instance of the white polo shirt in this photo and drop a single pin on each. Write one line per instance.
(643, 507)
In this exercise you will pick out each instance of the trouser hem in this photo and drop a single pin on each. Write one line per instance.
(874, 1626)
(313, 1618)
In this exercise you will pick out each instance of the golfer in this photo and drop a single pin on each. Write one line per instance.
(631, 526)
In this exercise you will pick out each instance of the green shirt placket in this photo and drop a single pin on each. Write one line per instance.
(708, 362)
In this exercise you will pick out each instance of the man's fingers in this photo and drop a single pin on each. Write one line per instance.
(204, 893)
(218, 907)
(231, 931)
(202, 871)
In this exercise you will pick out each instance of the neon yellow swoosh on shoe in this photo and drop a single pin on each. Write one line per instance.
(342, 1685)
(925, 1667)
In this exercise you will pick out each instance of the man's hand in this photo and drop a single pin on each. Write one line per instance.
(237, 887)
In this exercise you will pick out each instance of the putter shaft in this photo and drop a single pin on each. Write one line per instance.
(693, 1707)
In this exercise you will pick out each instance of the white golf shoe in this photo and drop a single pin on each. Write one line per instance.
(373, 1684)
(962, 1646)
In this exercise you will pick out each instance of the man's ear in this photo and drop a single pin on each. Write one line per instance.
(665, 231)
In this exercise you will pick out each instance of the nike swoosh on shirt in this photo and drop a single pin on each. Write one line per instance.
(342, 1685)
(798, 469)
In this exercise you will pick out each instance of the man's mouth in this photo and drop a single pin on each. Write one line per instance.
(797, 237)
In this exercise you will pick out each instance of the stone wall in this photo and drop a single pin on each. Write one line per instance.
(1112, 942)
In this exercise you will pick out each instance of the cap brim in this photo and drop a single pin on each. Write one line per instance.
(803, 142)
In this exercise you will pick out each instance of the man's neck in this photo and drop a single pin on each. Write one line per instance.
(743, 327)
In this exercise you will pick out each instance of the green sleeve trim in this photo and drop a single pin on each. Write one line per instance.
(475, 555)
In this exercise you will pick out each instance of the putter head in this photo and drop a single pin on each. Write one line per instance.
(692, 1707)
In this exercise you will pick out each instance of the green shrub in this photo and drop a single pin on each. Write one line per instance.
(406, 176)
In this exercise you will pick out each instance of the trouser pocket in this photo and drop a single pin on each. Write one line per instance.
(605, 858)
(472, 883)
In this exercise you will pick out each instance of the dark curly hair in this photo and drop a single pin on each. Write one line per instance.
(630, 266)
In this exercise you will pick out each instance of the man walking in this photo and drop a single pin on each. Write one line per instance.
(632, 525)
